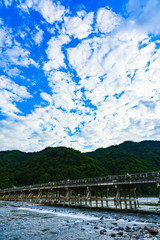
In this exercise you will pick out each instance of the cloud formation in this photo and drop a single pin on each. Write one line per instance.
(38, 37)
(107, 20)
(79, 26)
(145, 14)
(10, 93)
(50, 10)
(55, 54)
(93, 77)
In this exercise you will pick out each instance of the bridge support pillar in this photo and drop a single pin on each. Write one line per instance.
(68, 196)
(101, 199)
(125, 198)
(136, 201)
(16, 197)
(80, 201)
(86, 198)
(96, 199)
(107, 197)
(30, 196)
(130, 199)
(88, 194)
(52, 197)
(158, 186)
(22, 196)
(75, 198)
(39, 197)
(57, 197)
(47, 197)
(117, 200)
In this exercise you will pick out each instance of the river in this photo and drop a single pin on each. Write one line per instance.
(28, 221)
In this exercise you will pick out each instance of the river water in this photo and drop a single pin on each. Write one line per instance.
(28, 221)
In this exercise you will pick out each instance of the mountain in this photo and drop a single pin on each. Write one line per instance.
(50, 164)
(129, 157)
(53, 164)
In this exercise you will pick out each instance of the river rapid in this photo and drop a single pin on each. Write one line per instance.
(28, 221)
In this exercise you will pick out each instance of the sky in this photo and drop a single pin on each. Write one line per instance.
(81, 74)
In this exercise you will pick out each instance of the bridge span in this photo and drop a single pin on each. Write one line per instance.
(88, 192)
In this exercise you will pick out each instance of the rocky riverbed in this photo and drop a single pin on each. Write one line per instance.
(23, 221)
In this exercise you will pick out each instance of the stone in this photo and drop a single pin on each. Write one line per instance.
(120, 228)
(114, 223)
(103, 231)
(120, 233)
(96, 227)
(128, 229)
(45, 230)
(153, 230)
(113, 235)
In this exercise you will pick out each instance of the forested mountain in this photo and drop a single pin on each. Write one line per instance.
(50, 164)
(129, 157)
(53, 164)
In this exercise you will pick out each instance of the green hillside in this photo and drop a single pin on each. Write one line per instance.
(53, 164)
(129, 157)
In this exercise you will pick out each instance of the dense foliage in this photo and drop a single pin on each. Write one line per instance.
(129, 157)
(53, 164)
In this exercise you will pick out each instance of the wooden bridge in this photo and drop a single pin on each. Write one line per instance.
(89, 192)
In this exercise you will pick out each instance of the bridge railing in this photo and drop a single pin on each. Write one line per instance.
(109, 178)
(114, 178)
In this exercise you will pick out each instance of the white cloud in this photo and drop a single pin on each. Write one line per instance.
(50, 11)
(55, 54)
(125, 63)
(38, 37)
(30, 134)
(119, 73)
(145, 14)
(80, 26)
(8, 2)
(154, 70)
(19, 56)
(111, 59)
(5, 37)
(10, 93)
(2, 37)
(12, 52)
(12, 72)
(63, 89)
(1, 21)
(107, 20)
(7, 84)
(47, 97)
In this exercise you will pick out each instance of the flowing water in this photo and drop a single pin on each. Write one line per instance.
(28, 221)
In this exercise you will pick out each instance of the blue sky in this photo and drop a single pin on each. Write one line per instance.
(80, 74)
